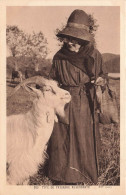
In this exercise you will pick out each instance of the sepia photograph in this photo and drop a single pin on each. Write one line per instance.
(63, 96)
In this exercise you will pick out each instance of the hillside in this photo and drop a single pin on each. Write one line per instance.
(111, 62)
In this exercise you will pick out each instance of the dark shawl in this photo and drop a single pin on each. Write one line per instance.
(81, 59)
(88, 59)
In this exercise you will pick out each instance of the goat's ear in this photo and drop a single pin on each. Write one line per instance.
(33, 90)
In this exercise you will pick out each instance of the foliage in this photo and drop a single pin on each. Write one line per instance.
(15, 38)
(35, 46)
(27, 63)
(93, 26)
(60, 39)
(22, 44)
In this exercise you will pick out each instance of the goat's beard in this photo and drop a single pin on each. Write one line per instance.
(60, 111)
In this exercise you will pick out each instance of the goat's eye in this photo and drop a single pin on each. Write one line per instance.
(48, 89)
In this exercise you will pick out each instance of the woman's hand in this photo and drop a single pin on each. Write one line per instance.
(101, 81)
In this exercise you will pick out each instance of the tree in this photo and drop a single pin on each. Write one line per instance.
(14, 38)
(29, 45)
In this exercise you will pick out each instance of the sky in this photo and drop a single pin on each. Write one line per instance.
(48, 18)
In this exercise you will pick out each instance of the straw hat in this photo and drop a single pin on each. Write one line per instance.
(77, 26)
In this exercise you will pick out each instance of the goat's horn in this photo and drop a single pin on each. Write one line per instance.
(32, 80)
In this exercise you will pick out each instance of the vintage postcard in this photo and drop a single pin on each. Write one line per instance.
(62, 102)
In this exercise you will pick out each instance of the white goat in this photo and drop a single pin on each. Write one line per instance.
(27, 134)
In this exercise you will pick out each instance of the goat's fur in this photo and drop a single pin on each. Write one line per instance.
(27, 134)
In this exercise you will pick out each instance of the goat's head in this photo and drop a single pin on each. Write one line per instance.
(55, 96)
(48, 93)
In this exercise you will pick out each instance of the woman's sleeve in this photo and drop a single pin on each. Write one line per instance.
(100, 67)
(53, 71)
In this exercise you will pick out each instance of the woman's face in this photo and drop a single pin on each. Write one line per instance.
(72, 44)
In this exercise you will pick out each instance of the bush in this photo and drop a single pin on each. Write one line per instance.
(24, 63)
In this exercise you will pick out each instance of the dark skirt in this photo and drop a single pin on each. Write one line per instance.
(73, 147)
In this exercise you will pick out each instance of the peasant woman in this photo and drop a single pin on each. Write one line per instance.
(75, 142)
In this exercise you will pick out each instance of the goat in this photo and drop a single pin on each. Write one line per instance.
(27, 134)
(17, 74)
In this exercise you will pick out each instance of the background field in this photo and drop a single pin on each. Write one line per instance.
(109, 159)
(111, 64)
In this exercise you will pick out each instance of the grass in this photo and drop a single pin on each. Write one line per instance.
(109, 162)
(109, 158)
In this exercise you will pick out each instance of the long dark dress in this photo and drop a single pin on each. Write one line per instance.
(74, 144)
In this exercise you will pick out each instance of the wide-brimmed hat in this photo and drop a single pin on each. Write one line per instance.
(77, 26)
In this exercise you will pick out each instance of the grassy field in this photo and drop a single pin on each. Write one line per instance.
(109, 160)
